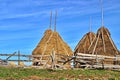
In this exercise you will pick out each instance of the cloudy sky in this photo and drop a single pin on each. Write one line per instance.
(23, 22)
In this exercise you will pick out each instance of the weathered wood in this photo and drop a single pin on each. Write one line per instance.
(103, 40)
(106, 66)
(18, 57)
(96, 44)
(22, 55)
(102, 56)
(80, 57)
(21, 60)
(97, 61)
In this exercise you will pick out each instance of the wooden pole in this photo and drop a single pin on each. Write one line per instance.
(18, 57)
(96, 59)
(91, 43)
(90, 30)
(55, 21)
(103, 40)
(102, 14)
(50, 20)
(96, 44)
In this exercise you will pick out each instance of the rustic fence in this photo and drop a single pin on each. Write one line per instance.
(97, 61)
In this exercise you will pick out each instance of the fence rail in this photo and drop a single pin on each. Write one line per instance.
(97, 61)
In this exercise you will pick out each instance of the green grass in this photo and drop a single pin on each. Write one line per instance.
(70, 74)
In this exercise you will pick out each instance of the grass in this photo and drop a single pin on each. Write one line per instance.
(43, 74)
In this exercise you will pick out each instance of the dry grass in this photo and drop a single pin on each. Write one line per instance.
(52, 40)
(84, 43)
(110, 48)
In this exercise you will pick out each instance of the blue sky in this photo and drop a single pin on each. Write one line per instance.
(23, 22)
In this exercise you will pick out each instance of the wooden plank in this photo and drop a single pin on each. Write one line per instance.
(21, 60)
(79, 57)
(82, 61)
(106, 66)
(27, 60)
(22, 55)
(81, 54)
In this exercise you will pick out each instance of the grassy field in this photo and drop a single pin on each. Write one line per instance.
(43, 74)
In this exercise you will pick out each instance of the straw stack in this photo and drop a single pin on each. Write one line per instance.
(84, 43)
(50, 42)
(103, 44)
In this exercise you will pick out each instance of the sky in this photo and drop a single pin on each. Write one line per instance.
(23, 22)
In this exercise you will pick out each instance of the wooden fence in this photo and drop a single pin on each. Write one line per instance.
(81, 60)
(97, 61)
(53, 60)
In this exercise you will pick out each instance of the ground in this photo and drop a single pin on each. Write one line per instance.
(45, 74)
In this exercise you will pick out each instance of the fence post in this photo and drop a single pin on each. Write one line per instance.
(115, 60)
(18, 57)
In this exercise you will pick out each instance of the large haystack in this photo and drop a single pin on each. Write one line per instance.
(51, 45)
(51, 48)
(103, 44)
(52, 41)
(84, 43)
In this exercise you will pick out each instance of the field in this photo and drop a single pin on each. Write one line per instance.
(44, 74)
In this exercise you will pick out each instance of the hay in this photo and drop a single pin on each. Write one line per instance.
(52, 40)
(84, 43)
(12, 64)
(22, 64)
(103, 44)
(39, 49)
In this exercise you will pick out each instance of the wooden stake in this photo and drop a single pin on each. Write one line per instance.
(90, 30)
(55, 21)
(96, 44)
(50, 20)
(18, 57)
(103, 40)
(102, 14)
(91, 43)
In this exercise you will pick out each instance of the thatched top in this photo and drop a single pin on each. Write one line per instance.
(52, 41)
(105, 30)
(84, 43)
(103, 44)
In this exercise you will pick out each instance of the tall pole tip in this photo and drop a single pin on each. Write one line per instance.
(55, 21)
(102, 13)
(50, 20)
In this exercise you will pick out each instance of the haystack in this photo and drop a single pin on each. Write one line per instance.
(52, 45)
(84, 43)
(103, 44)
(52, 40)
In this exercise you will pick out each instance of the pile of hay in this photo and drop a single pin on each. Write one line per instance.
(12, 64)
(21, 64)
(84, 43)
(50, 42)
(103, 44)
